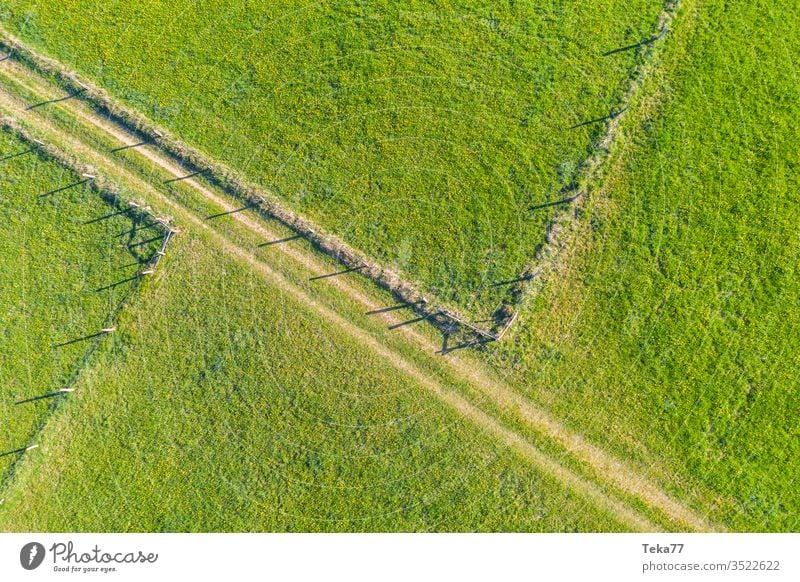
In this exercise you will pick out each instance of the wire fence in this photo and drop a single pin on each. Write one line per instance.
(198, 165)
(108, 192)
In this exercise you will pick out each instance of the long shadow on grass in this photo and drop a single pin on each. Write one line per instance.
(80, 339)
(186, 177)
(391, 308)
(646, 41)
(566, 200)
(10, 156)
(137, 227)
(117, 284)
(611, 115)
(512, 281)
(70, 96)
(350, 270)
(242, 209)
(280, 240)
(409, 322)
(145, 242)
(14, 452)
(42, 397)
(57, 190)
(446, 348)
(107, 216)
(141, 250)
(133, 145)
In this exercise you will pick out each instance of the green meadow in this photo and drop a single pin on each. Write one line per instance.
(66, 257)
(203, 413)
(429, 135)
(426, 134)
(672, 335)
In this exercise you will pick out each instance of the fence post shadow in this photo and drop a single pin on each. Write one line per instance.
(70, 96)
(57, 190)
(350, 270)
(646, 41)
(611, 115)
(280, 240)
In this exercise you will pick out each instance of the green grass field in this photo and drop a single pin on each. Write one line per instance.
(424, 134)
(204, 414)
(53, 259)
(678, 315)
(667, 336)
(190, 214)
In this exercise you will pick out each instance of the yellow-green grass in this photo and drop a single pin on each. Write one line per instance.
(335, 298)
(66, 261)
(424, 133)
(221, 403)
(668, 337)
(671, 335)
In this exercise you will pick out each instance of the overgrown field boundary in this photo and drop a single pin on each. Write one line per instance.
(546, 259)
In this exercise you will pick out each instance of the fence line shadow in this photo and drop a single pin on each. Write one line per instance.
(234, 211)
(42, 397)
(107, 216)
(446, 349)
(566, 200)
(409, 322)
(137, 227)
(636, 44)
(186, 177)
(510, 282)
(4, 158)
(145, 242)
(129, 146)
(129, 265)
(611, 115)
(117, 284)
(80, 339)
(391, 308)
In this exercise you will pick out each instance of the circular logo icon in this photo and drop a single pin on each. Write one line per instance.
(31, 555)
